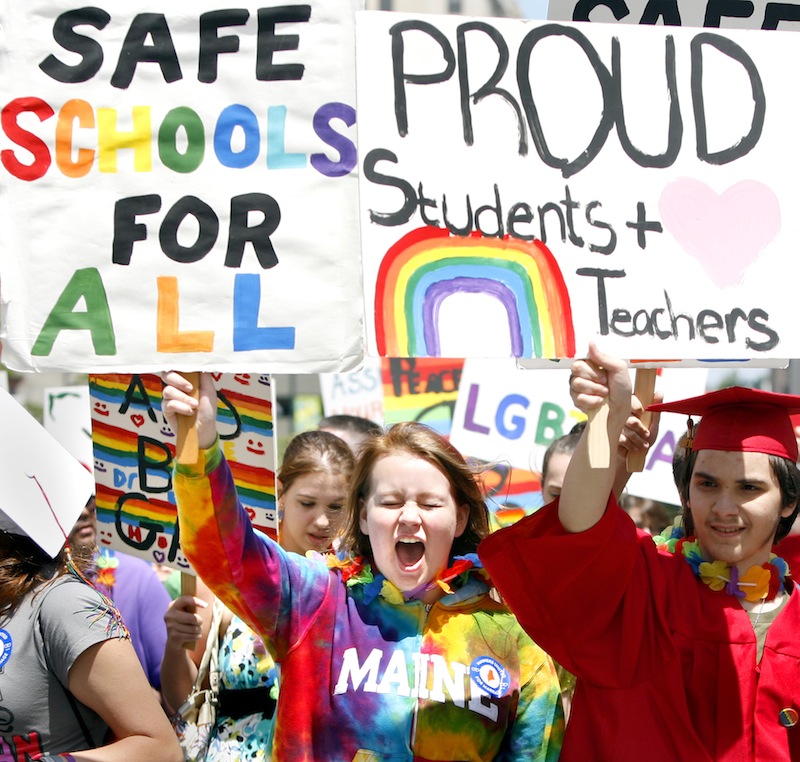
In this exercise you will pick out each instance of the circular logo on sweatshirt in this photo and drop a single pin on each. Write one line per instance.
(490, 676)
(5, 647)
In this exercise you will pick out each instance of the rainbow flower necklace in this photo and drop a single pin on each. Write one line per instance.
(758, 583)
(357, 571)
(106, 575)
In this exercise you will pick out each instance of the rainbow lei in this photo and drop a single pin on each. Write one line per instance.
(357, 571)
(106, 571)
(758, 583)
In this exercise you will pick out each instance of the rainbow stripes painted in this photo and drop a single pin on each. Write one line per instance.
(134, 448)
(429, 264)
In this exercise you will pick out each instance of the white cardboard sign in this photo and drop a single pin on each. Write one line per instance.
(178, 187)
(753, 14)
(527, 187)
(358, 393)
(511, 416)
(43, 488)
(66, 415)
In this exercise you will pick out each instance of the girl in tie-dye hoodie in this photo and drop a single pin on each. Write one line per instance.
(393, 650)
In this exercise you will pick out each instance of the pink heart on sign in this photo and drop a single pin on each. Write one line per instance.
(726, 233)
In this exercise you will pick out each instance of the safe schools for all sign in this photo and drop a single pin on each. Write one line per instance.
(178, 187)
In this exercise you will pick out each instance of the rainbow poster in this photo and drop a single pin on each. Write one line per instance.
(511, 493)
(134, 448)
(528, 187)
(421, 389)
(429, 264)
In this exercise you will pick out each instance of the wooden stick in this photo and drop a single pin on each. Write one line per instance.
(643, 387)
(189, 587)
(188, 449)
(188, 452)
(599, 451)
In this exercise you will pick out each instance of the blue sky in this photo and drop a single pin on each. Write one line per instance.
(533, 9)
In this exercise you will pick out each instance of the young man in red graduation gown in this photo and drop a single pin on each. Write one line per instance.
(687, 648)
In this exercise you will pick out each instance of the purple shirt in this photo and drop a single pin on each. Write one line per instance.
(142, 600)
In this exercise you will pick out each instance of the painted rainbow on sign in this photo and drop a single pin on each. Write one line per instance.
(429, 264)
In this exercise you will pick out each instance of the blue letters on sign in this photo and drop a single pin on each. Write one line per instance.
(518, 422)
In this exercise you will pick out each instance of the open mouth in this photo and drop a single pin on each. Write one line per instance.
(409, 552)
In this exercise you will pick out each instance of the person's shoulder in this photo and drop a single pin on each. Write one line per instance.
(487, 603)
(65, 596)
(64, 587)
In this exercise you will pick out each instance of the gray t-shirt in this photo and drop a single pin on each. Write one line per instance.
(38, 645)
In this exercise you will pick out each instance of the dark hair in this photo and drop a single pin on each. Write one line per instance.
(354, 423)
(682, 468)
(654, 516)
(419, 441)
(564, 445)
(24, 566)
(785, 471)
(314, 451)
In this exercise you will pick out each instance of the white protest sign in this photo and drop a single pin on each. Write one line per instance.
(178, 187)
(753, 14)
(655, 481)
(134, 449)
(43, 489)
(510, 415)
(527, 187)
(66, 416)
(358, 393)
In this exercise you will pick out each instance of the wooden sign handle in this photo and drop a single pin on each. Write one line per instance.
(189, 587)
(188, 449)
(597, 426)
(643, 387)
(188, 452)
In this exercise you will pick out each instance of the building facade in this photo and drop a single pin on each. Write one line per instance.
(507, 8)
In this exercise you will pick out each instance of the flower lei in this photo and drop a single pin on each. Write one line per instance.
(758, 583)
(106, 570)
(357, 571)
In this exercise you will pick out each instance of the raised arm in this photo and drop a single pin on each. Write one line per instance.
(596, 381)
(274, 591)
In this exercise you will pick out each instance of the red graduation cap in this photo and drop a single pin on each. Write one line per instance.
(741, 420)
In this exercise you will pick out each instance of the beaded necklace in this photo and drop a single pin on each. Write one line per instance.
(758, 583)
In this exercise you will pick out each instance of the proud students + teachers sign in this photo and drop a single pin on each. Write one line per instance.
(182, 189)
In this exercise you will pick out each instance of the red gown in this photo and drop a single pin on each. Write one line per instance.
(666, 667)
(789, 550)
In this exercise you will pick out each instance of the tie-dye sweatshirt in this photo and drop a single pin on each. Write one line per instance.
(364, 676)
